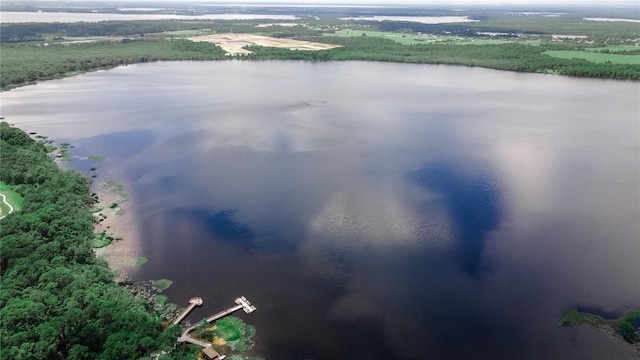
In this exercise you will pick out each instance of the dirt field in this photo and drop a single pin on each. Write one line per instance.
(233, 43)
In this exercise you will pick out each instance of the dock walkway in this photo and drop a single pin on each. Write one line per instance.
(241, 303)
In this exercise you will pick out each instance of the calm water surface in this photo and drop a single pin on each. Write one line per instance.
(370, 211)
(52, 17)
(418, 19)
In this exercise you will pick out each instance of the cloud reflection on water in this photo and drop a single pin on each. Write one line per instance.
(367, 215)
(473, 202)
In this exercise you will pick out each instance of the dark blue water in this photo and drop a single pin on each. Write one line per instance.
(369, 211)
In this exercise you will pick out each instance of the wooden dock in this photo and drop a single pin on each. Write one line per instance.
(241, 303)
(193, 302)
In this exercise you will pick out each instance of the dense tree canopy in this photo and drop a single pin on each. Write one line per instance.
(24, 63)
(57, 300)
(508, 56)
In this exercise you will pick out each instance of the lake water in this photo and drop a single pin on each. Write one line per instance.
(613, 19)
(418, 19)
(62, 17)
(369, 210)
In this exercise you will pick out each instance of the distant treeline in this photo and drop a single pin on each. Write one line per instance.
(31, 52)
(57, 300)
(508, 56)
(26, 63)
(23, 63)
(599, 31)
(30, 32)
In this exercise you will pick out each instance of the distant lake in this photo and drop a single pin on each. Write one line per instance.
(613, 19)
(418, 19)
(369, 210)
(62, 17)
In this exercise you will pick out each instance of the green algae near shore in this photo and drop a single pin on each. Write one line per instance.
(162, 284)
(101, 239)
(95, 157)
(140, 261)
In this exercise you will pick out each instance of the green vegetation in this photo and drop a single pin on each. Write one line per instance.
(116, 209)
(626, 327)
(235, 332)
(569, 24)
(399, 37)
(229, 332)
(412, 38)
(13, 198)
(25, 63)
(161, 299)
(162, 284)
(101, 239)
(565, 44)
(140, 261)
(512, 56)
(595, 57)
(619, 49)
(57, 300)
(115, 185)
(242, 357)
(95, 157)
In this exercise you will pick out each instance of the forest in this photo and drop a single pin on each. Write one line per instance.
(58, 301)
(507, 56)
(27, 63)
(497, 39)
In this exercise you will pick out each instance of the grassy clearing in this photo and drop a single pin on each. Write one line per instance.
(237, 335)
(4, 209)
(162, 284)
(482, 41)
(401, 38)
(228, 333)
(416, 39)
(13, 198)
(595, 57)
(184, 33)
(75, 39)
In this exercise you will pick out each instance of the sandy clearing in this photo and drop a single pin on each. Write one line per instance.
(233, 43)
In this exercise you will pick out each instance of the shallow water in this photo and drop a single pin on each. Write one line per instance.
(369, 211)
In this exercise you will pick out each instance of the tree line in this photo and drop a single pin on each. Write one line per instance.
(57, 300)
(509, 56)
(36, 32)
(25, 63)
